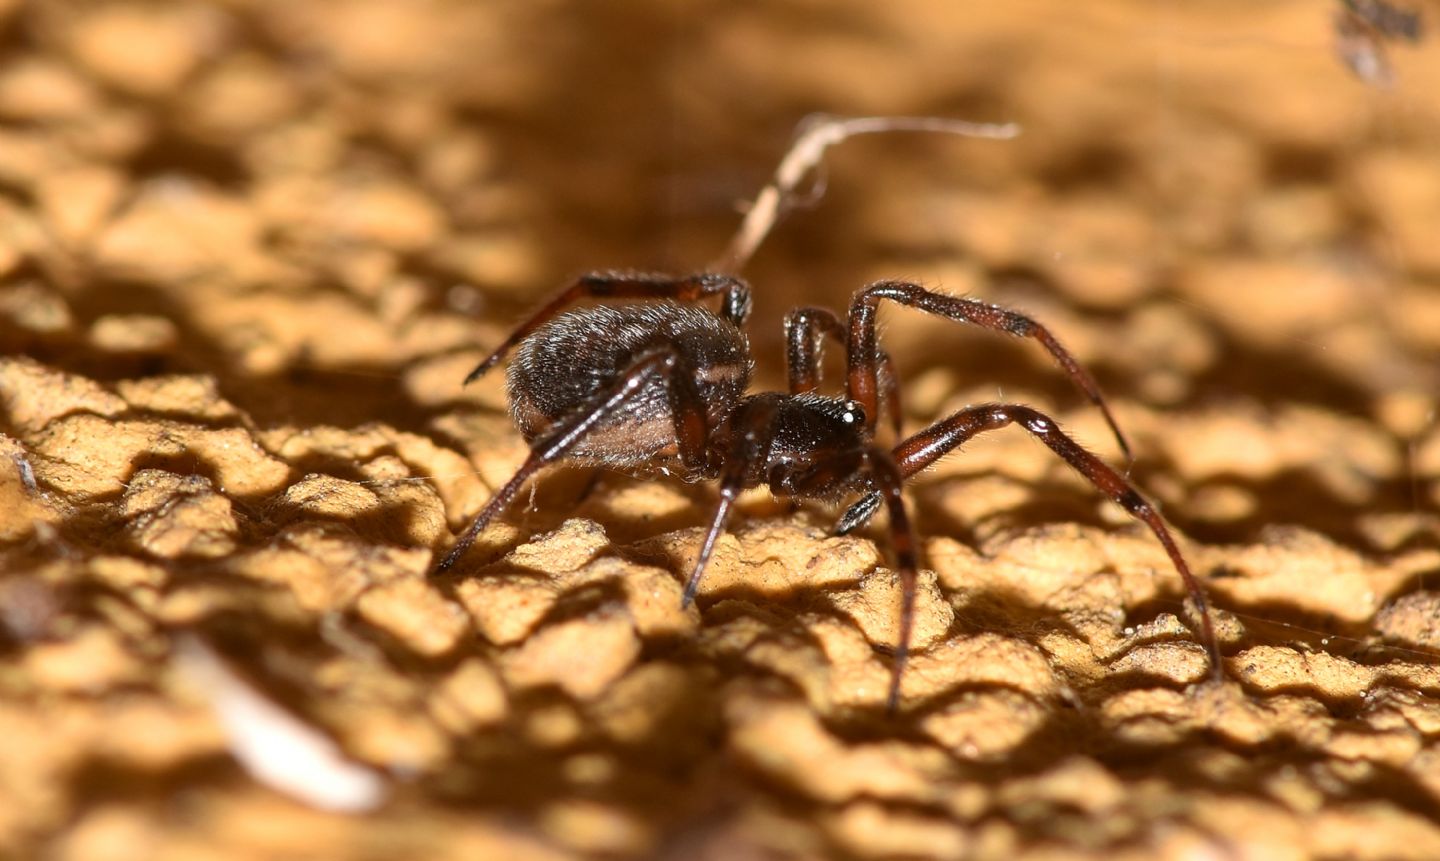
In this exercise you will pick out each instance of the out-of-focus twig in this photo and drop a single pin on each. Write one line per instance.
(819, 134)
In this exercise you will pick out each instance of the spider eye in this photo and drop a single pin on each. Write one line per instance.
(853, 414)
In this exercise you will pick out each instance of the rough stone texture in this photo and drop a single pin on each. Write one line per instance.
(249, 249)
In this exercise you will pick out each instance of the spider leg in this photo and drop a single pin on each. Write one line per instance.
(884, 471)
(805, 332)
(691, 430)
(735, 305)
(862, 345)
(933, 443)
(859, 513)
(750, 437)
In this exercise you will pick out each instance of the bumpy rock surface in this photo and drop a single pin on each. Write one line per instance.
(248, 251)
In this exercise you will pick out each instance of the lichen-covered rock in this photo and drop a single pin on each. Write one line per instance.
(414, 612)
(250, 251)
(582, 656)
(171, 516)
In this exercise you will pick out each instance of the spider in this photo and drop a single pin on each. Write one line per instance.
(661, 387)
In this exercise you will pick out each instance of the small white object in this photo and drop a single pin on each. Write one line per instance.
(274, 746)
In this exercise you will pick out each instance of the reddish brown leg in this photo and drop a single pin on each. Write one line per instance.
(805, 332)
(750, 436)
(691, 431)
(863, 340)
(928, 446)
(735, 306)
(886, 474)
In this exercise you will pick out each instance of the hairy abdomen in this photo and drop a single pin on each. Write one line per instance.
(567, 363)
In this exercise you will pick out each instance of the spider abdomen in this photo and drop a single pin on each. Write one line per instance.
(563, 365)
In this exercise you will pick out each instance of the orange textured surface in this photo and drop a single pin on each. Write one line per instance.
(249, 249)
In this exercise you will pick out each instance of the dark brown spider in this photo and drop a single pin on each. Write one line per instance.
(661, 387)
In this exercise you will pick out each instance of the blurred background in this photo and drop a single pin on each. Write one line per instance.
(1210, 203)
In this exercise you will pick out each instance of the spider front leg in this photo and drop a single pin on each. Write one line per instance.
(691, 430)
(805, 332)
(884, 472)
(862, 346)
(933, 443)
(734, 306)
(751, 431)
